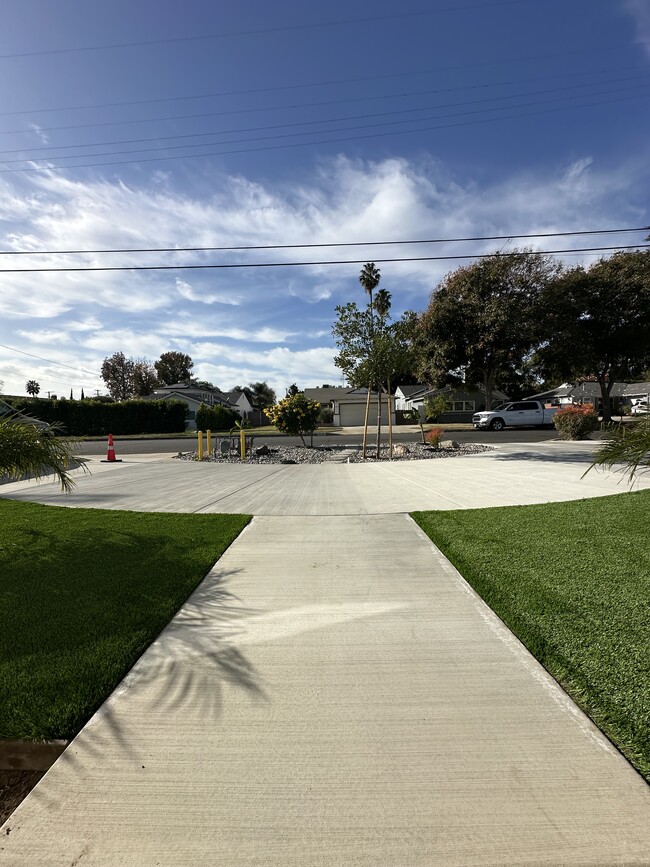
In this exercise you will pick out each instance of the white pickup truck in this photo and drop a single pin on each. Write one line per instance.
(517, 414)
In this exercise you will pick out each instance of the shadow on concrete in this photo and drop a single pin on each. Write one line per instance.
(555, 457)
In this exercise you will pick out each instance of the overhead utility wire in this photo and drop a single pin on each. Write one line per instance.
(48, 148)
(263, 31)
(232, 265)
(49, 360)
(318, 104)
(329, 244)
(51, 167)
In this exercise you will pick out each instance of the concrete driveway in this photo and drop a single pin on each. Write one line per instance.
(512, 474)
(334, 693)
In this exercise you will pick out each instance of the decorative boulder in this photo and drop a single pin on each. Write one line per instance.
(262, 451)
(400, 450)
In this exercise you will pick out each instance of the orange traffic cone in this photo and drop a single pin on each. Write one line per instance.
(110, 454)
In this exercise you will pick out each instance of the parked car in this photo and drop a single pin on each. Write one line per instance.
(640, 407)
(521, 413)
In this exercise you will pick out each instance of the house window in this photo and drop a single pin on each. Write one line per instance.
(191, 415)
(463, 405)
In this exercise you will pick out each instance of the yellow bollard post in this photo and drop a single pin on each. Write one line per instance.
(199, 450)
(208, 442)
(242, 444)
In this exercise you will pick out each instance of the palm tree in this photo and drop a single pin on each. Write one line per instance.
(369, 279)
(382, 307)
(27, 450)
(32, 387)
(628, 445)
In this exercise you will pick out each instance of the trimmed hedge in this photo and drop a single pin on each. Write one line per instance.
(215, 417)
(95, 418)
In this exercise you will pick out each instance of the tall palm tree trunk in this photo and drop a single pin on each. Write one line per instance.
(390, 425)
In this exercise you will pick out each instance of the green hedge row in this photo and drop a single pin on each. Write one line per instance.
(94, 418)
(215, 417)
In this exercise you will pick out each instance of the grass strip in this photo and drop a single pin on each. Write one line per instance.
(572, 581)
(83, 592)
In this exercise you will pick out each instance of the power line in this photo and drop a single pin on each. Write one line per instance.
(233, 265)
(49, 360)
(261, 31)
(48, 148)
(328, 244)
(339, 140)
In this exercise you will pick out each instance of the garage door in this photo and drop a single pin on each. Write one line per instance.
(353, 414)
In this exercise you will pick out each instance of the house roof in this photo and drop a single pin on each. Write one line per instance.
(411, 390)
(592, 389)
(326, 395)
(460, 389)
(188, 393)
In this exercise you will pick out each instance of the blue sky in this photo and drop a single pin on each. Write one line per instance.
(142, 125)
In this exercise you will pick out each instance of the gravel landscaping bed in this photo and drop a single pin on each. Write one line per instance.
(265, 454)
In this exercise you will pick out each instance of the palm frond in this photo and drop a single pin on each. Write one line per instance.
(628, 445)
(26, 450)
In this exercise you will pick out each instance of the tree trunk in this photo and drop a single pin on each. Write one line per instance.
(605, 391)
(390, 426)
(378, 420)
(365, 424)
(488, 382)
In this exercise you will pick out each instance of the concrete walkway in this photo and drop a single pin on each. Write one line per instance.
(335, 694)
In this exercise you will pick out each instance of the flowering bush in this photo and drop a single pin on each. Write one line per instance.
(575, 422)
(295, 415)
(434, 436)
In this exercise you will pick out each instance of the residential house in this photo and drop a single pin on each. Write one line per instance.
(588, 392)
(463, 400)
(193, 397)
(349, 405)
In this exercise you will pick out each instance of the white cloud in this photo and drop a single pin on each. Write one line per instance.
(640, 12)
(236, 322)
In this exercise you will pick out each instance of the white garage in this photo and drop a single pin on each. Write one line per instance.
(350, 410)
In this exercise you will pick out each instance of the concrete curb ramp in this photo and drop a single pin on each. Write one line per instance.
(334, 693)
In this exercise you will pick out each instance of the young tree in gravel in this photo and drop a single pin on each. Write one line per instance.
(369, 279)
(145, 379)
(173, 367)
(372, 350)
(294, 416)
(117, 373)
(484, 318)
(32, 387)
(598, 321)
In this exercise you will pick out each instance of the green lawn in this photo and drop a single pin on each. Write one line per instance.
(572, 581)
(83, 592)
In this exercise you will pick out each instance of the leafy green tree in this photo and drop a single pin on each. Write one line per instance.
(294, 415)
(173, 367)
(260, 394)
(435, 405)
(27, 450)
(372, 350)
(293, 389)
(483, 319)
(32, 387)
(117, 373)
(598, 322)
(145, 379)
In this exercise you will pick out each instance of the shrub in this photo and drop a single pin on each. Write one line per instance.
(575, 422)
(434, 436)
(326, 414)
(215, 417)
(435, 406)
(295, 415)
